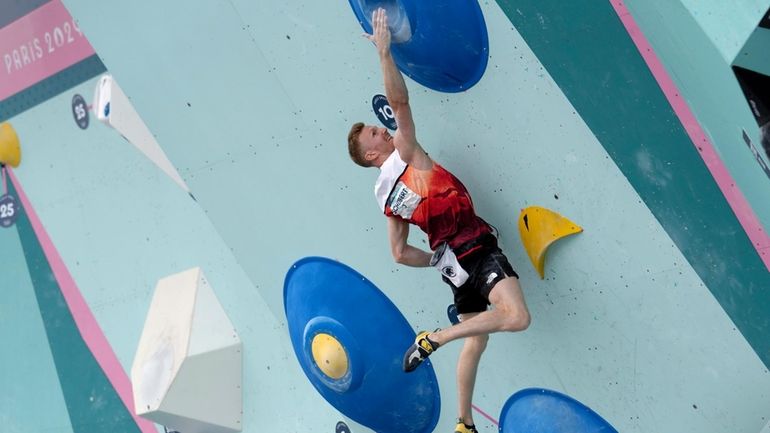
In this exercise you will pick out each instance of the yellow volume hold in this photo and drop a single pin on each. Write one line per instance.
(10, 150)
(539, 228)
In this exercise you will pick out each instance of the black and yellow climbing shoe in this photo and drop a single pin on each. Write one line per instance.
(465, 428)
(419, 351)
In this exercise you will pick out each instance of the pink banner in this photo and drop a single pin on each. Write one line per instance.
(39, 45)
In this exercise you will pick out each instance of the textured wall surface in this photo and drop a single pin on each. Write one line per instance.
(690, 54)
(728, 25)
(252, 103)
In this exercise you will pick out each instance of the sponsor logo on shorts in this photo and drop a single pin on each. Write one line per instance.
(491, 277)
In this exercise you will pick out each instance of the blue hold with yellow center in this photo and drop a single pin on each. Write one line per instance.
(349, 339)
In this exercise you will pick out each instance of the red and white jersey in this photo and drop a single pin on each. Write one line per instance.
(434, 200)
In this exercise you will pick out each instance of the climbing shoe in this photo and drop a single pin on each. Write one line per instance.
(464, 428)
(419, 351)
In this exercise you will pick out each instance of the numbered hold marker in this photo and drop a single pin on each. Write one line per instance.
(80, 111)
(9, 210)
(342, 428)
(384, 112)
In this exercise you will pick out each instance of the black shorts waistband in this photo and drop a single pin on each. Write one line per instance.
(485, 242)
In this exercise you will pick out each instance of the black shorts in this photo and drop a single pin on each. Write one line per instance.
(485, 269)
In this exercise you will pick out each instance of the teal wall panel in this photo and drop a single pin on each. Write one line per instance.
(753, 53)
(706, 81)
(614, 91)
(10, 11)
(120, 225)
(252, 102)
(727, 24)
(92, 402)
(27, 371)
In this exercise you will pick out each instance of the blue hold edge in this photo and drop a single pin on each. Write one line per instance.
(537, 410)
(447, 47)
(324, 296)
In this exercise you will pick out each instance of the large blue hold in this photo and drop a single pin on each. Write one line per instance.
(441, 44)
(536, 410)
(325, 296)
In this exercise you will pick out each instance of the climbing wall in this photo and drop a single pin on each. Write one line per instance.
(252, 104)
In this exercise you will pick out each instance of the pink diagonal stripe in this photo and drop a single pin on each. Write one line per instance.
(485, 415)
(736, 200)
(86, 322)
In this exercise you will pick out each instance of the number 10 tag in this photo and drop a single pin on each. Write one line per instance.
(9, 210)
(384, 112)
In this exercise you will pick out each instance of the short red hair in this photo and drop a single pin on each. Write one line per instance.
(354, 145)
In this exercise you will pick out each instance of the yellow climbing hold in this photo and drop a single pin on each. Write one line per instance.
(540, 227)
(10, 150)
(329, 355)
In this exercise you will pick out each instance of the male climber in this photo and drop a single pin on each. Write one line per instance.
(414, 189)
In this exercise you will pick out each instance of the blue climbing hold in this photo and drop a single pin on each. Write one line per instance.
(441, 44)
(451, 312)
(537, 410)
(349, 339)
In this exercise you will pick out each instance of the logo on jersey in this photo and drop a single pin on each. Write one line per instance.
(448, 271)
(403, 201)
